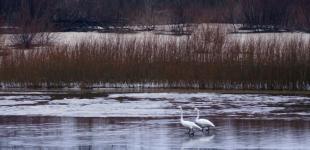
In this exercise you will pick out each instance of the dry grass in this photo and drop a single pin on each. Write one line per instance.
(207, 59)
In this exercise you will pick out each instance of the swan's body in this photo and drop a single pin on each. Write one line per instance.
(203, 123)
(188, 124)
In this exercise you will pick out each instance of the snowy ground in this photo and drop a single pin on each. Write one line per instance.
(72, 38)
(76, 37)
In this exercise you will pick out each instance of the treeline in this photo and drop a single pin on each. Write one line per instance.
(70, 14)
(206, 60)
(75, 14)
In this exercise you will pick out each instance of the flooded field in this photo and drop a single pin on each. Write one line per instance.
(64, 120)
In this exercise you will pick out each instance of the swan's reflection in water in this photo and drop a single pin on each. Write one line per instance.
(198, 141)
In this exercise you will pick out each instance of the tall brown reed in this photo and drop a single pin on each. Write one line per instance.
(207, 59)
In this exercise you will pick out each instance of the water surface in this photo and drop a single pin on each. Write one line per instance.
(47, 120)
(137, 133)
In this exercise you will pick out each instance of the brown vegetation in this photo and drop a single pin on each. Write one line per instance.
(207, 59)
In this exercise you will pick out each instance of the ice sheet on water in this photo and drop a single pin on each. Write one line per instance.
(22, 93)
(13, 102)
(154, 105)
(21, 100)
(24, 97)
(99, 107)
(177, 97)
(215, 103)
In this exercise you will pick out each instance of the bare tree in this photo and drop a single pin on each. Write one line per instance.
(179, 18)
(303, 14)
(26, 34)
(233, 13)
(33, 27)
(1, 35)
(265, 14)
(252, 13)
(119, 19)
(149, 14)
(3, 50)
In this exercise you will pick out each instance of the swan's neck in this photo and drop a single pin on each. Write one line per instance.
(181, 114)
(197, 115)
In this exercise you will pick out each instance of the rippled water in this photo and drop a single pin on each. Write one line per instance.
(151, 121)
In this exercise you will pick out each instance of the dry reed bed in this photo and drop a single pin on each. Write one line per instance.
(207, 59)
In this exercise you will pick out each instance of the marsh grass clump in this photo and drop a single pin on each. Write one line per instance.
(207, 59)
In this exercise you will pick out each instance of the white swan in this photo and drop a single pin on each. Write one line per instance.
(203, 123)
(188, 124)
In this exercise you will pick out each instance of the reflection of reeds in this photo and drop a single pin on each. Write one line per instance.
(206, 59)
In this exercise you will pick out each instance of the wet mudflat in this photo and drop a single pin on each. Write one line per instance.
(151, 121)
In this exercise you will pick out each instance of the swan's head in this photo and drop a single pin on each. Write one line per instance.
(196, 109)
